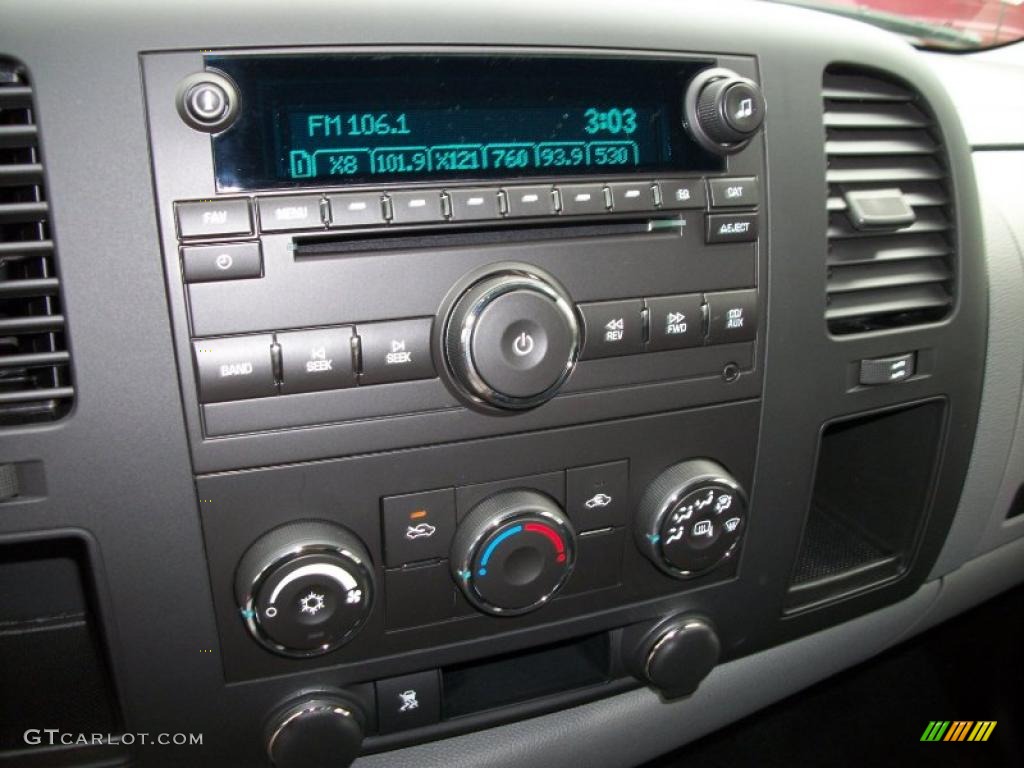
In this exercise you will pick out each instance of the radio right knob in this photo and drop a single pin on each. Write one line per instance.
(723, 110)
(691, 518)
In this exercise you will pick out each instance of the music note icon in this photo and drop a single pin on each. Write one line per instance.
(746, 109)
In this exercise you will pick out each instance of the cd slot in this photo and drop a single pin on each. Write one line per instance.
(500, 233)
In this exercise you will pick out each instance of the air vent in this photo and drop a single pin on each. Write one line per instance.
(891, 260)
(35, 375)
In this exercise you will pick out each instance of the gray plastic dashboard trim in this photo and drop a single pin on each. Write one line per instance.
(997, 462)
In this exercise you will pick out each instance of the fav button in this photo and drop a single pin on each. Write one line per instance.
(214, 217)
(732, 316)
(676, 322)
(418, 526)
(316, 360)
(596, 496)
(612, 328)
(235, 368)
(395, 351)
(410, 701)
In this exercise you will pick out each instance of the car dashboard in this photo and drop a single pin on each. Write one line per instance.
(510, 385)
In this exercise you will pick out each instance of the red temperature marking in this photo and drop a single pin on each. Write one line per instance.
(555, 538)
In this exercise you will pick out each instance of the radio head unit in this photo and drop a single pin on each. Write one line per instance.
(345, 119)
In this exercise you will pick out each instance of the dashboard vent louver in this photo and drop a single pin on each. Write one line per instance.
(35, 367)
(885, 154)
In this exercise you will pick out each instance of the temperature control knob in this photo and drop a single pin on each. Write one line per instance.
(723, 110)
(512, 338)
(513, 552)
(305, 588)
(691, 518)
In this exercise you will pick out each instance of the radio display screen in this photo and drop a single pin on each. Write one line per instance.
(374, 119)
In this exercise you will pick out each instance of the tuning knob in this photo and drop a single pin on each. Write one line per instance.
(324, 731)
(513, 552)
(512, 338)
(305, 588)
(691, 518)
(673, 656)
(723, 110)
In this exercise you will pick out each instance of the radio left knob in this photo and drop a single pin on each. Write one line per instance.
(305, 588)
(208, 101)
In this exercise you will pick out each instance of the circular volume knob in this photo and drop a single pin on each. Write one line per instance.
(512, 339)
(323, 731)
(691, 518)
(305, 588)
(513, 552)
(723, 110)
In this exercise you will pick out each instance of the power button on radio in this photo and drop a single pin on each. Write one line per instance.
(512, 339)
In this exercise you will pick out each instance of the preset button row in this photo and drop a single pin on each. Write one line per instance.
(292, 362)
(287, 213)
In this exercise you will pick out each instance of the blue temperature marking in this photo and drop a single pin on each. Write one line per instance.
(653, 537)
(490, 547)
(482, 572)
(247, 613)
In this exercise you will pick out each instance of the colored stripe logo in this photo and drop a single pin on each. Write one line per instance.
(958, 730)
